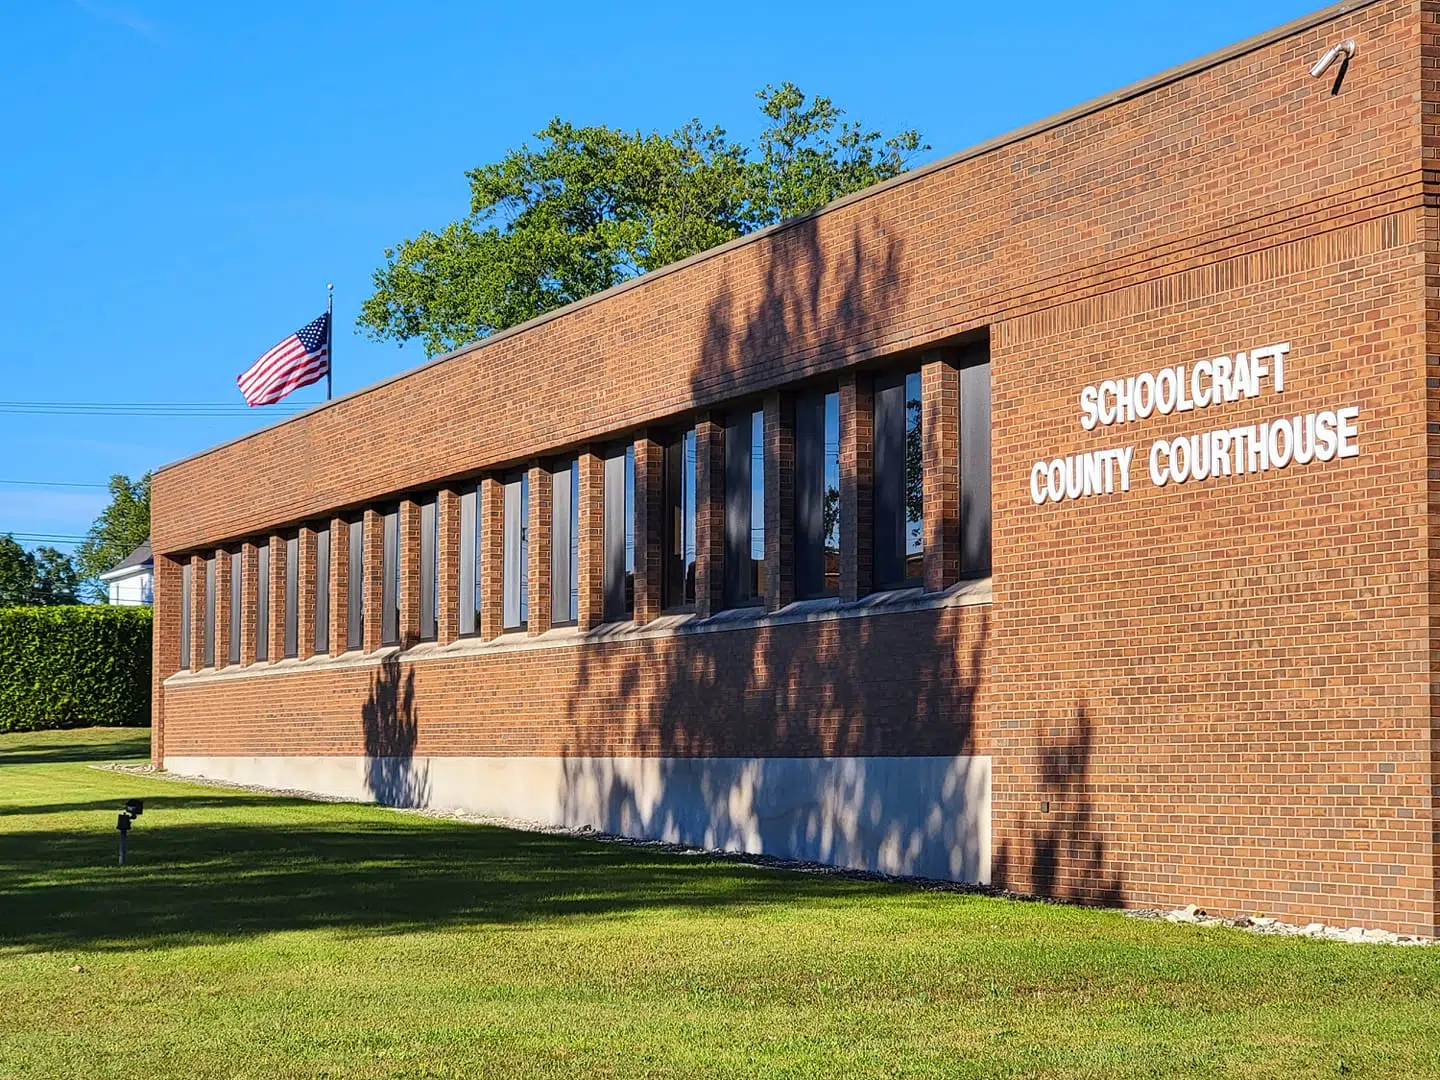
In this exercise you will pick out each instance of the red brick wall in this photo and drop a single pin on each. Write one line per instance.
(1239, 157)
(849, 686)
(1221, 688)
(1430, 236)
(1218, 692)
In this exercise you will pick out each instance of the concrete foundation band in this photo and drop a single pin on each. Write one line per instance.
(921, 816)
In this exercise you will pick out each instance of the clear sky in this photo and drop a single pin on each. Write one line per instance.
(180, 179)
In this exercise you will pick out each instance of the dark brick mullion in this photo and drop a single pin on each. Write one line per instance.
(709, 516)
(779, 500)
(857, 485)
(649, 527)
(339, 585)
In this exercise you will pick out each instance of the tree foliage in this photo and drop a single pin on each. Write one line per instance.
(40, 578)
(590, 207)
(121, 527)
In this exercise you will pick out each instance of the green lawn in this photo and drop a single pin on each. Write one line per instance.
(266, 937)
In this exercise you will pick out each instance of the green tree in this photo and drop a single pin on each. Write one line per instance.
(41, 578)
(809, 156)
(121, 527)
(590, 207)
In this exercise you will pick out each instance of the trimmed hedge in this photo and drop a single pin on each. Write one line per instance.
(82, 666)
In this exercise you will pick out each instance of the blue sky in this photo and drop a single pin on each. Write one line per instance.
(181, 180)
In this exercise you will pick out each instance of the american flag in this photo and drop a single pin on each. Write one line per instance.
(299, 360)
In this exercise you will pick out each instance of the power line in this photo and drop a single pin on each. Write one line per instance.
(45, 538)
(145, 408)
(54, 484)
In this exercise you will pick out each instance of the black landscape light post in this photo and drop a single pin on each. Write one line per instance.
(132, 809)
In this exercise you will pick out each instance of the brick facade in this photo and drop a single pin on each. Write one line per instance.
(1220, 691)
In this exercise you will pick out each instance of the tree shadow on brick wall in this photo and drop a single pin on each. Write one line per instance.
(392, 775)
(732, 739)
(1058, 849)
(738, 728)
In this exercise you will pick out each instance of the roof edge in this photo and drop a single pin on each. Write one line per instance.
(1037, 127)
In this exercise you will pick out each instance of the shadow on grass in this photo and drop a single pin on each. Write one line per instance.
(154, 804)
(55, 748)
(189, 883)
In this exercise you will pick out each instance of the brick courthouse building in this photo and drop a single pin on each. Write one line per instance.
(1058, 515)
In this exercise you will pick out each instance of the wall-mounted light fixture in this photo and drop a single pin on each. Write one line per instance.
(1342, 53)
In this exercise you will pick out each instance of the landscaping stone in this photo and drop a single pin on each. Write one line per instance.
(1268, 924)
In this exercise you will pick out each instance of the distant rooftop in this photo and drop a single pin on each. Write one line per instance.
(139, 557)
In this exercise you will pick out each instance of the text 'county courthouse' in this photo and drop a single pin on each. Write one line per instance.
(1058, 516)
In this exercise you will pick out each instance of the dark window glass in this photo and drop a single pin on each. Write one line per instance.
(745, 507)
(757, 505)
(899, 481)
(429, 569)
(914, 481)
(832, 493)
(565, 543)
(236, 607)
(679, 571)
(355, 598)
(292, 596)
(469, 598)
(210, 612)
(262, 602)
(390, 579)
(185, 599)
(524, 548)
(630, 531)
(574, 540)
(817, 495)
(619, 535)
(975, 470)
(515, 589)
(322, 590)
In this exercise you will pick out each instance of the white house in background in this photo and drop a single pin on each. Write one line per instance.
(132, 581)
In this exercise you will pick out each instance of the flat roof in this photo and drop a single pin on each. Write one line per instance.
(1075, 112)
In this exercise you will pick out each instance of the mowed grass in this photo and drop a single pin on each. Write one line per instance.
(268, 937)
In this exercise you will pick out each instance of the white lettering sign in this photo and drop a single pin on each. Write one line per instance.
(1256, 448)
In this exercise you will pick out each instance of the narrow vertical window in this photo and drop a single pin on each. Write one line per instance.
(209, 651)
(975, 470)
(185, 599)
(524, 548)
(757, 505)
(899, 481)
(514, 591)
(914, 481)
(236, 595)
(745, 507)
(832, 493)
(355, 591)
(429, 569)
(679, 524)
(469, 598)
(574, 540)
(564, 543)
(619, 535)
(262, 602)
(292, 596)
(630, 531)
(390, 579)
(817, 495)
(322, 591)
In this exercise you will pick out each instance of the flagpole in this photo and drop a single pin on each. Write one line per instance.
(329, 337)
